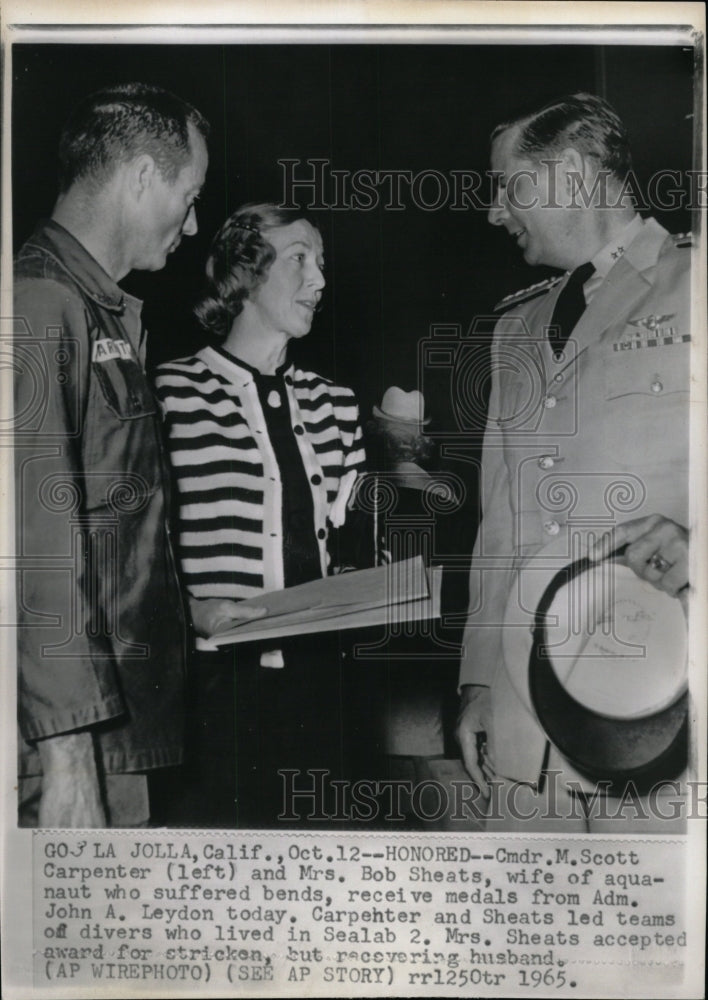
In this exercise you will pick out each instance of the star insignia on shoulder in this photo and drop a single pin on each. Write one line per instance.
(682, 239)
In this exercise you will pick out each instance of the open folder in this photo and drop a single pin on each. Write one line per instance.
(399, 592)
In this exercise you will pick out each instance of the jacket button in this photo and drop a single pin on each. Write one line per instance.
(657, 385)
(546, 462)
(288, 380)
(316, 480)
(549, 402)
(321, 533)
(551, 527)
(558, 357)
(299, 429)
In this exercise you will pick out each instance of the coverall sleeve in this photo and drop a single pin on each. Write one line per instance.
(66, 677)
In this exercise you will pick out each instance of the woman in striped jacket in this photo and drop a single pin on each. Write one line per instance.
(260, 451)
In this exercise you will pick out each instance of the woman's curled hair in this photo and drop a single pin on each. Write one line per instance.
(238, 261)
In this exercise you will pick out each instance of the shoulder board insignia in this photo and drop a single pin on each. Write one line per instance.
(682, 239)
(516, 298)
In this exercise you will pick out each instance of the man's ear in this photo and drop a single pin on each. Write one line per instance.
(141, 174)
(574, 167)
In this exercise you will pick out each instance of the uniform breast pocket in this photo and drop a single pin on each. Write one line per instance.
(122, 452)
(124, 387)
(646, 410)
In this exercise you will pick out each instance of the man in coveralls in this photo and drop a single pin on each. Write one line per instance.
(100, 623)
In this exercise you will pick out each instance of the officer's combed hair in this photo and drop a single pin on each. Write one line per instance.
(582, 121)
(117, 124)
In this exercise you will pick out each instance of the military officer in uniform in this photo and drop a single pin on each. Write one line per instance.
(586, 443)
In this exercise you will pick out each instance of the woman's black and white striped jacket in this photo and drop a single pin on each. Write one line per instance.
(228, 481)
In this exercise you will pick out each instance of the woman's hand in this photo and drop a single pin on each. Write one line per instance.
(209, 615)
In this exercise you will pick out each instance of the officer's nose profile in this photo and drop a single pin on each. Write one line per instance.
(190, 226)
(495, 216)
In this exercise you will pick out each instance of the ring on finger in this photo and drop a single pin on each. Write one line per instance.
(660, 564)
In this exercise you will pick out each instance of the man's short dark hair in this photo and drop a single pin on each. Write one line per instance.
(582, 121)
(117, 124)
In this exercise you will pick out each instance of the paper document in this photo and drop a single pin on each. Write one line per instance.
(399, 592)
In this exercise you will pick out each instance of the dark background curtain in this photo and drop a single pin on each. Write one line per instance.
(394, 275)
